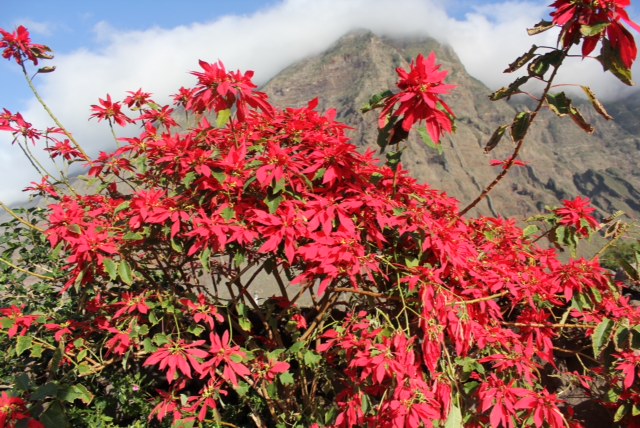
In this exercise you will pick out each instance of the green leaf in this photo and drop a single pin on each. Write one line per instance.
(124, 271)
(183, 424)
(228, 213)
(23, 343)
(204, 257)
(393, 159)
(196, 329)
(520, 125)
(601, 336)
(312, 359)
(469, 387)
(579, 120)
(49, 389)
(239, 259)
(385, 134)
(530, 230)
(507, 91)
(538, 67)
(160, 339)
(188, 179)
(54, 416)
(223, 118)
(175, 246)
(74, 228)
(635, 337)
(621, 413)
(243, 319)
(242, 389)
(84, 369)
(279, 186)
(82, 355)
(111, 267)
(147, 345)
(411, 262)
(495, 138)
(593, 30)
(22, 382)
(295, 348)
(122, 206)
(273, 202)
(610, 60)
(559, 103)
(454, 420)
(622, 337)
(221, 177)
(286, 378)
(597, 105)
(36, 351)
(133, 236)
(521, 60)
(376, 101)
(426, 138)
(76, 392)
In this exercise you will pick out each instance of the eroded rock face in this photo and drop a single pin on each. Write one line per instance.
(562, 160)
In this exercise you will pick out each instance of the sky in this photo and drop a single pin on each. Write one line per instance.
(123, 45)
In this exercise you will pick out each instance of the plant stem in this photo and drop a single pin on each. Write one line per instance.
(509, 163)
(37, 275)
(20, 219)
(51, 115)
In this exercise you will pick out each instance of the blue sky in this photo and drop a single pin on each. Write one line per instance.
(115, 46)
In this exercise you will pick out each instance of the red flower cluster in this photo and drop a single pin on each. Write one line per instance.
(419, 99)
(594, 20)
(13, 413)
(455, 316)
(17, 45)
(577, 214)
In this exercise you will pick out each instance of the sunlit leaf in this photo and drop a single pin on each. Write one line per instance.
(540, 27)
(520, 125)
(223, 118)
(601, 336)
(495, 138)
(597, 105)
(610, 60)
(521, 60)
(23, 343)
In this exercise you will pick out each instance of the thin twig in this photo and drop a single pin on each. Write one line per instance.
(37, 275)
(509, 163)
(20, 219)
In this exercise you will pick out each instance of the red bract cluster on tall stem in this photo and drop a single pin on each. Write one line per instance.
(593, 21)
(577, 213)
(419, 99)
(18, 45)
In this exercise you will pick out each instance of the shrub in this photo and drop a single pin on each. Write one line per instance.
(142, 312)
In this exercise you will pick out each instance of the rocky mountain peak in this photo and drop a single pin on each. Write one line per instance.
(562, 161)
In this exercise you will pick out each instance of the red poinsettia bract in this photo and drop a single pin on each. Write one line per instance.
(575, 15)
(419, 99)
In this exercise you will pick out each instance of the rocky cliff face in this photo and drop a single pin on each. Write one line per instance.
(562, 160)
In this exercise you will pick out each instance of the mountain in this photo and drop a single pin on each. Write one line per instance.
(562, 160)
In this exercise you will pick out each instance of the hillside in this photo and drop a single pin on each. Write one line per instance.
(562, 160)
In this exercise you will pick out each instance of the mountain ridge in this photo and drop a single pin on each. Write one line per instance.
(563, 161)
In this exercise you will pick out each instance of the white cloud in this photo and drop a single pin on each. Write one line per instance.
(38, 27)
(486, 38)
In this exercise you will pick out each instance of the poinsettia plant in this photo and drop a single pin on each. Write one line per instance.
(135, 302)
